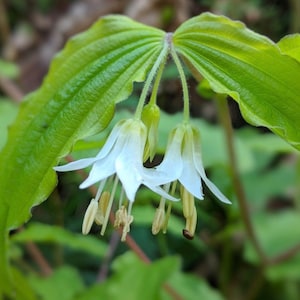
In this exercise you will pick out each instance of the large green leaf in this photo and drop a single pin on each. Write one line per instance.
(248, 67)
(133, 279)
(65, 284)
(290, 45)
(277, 233)
(42, 233)
(94, 71)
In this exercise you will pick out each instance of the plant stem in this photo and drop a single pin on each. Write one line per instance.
(185, 90)
(157, 81)
(38, 257)
(160, 62)
(284, 256)
(4, 25)
(103, 271)
(11, 89)
(225, 120)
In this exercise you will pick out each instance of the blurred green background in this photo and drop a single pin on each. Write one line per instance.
(50, 257)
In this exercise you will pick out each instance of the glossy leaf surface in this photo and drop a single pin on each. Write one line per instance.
(247, 66)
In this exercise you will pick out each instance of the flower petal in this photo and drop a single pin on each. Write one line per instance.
(129, 163)
(172, 165)
(76, 165)
(101, 169)
(160, 191)
(200, 169)
(111, 140)
(189, 177)
(214, 189)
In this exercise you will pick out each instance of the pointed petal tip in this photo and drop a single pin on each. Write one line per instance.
(84, 185)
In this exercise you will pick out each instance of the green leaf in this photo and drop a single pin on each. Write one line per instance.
(133, 278)
(42, 233)
(95, 70)
(261, 186)
(8, 112)
(290, 45)
(8, 69)
(23, 289)
(277, 233)
(192, 288)
(248, 67)
(64, 284)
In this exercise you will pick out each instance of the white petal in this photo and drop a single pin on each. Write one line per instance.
(214, 189)
(111, 140)
(189, 177)
(76, 165)
(156, 177)
(200, 169)
(129, 167)
(172, 164)
(101, 169)
(162, 192)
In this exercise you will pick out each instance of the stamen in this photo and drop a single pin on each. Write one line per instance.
(188, 202)
(89, 216)
(126, 228)
(108, 209)
(123, 219)
(190, 225)
(102, 207)
(167, 217)
(122, 196)
(158, 221)
(100, 189)
(120, 217)
(129, 220)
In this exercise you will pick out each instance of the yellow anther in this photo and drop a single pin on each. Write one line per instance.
(188, 202)
(167, 217)
(190, 225)
(158, 221)
(102, 207)
(120, 217)
(126, 227)
(89, 216)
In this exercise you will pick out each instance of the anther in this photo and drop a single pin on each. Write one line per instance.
(89, 216)
(102, 208)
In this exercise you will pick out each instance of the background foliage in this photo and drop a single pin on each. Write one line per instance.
(49, 255)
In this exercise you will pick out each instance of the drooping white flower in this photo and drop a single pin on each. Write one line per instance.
(183, 163)
(122, 156)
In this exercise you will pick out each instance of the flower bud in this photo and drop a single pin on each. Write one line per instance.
(150, 117)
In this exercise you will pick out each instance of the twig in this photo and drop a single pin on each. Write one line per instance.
(103, 271)
(136, 249)
(255, 285)
(288, 254)
(295, 16)
(4, 25)
(11, 89)
(38, 257)
(225, 120)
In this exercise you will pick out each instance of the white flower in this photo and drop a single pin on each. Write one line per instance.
(122, 156)
(183, 162)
